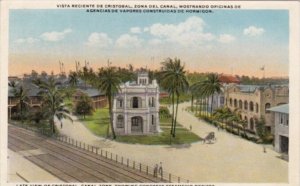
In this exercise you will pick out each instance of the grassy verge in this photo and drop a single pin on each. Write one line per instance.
(98, 123)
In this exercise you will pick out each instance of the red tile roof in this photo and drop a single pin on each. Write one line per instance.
(228, 79)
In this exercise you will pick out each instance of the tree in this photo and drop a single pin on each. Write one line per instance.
(209, 87)
(108, 81)
(22, 100)
(52, 102)
(173, 79)
(84, 105)
(260, 128)
(73, 79)
(225, 115)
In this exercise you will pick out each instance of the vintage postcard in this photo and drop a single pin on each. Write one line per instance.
(159, 92)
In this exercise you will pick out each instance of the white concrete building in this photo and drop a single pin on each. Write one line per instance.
(136, 107)
(281, 134)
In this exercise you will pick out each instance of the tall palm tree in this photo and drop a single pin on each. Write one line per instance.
(108, 81)
(174, 80)
(73, 79)
(52, 102)
(209, 87)
(22, 95)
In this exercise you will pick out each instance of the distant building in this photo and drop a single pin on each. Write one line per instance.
(281, 123)
(99, 99)
(136, 107)
(34, 99)
(218, 98)
(253, 101)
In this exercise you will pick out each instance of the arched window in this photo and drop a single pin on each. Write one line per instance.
(246, 119)
(136, 102)
(251, 124)
(245, 105)
(267, 106)
(251, 106)
(230, 102)
(120, 121)
(256, 107)
(235, 103)
(240, 104)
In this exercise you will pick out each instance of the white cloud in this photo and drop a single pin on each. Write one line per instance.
(55, 36)
(155, 42)
(135, 30)
(187, 33)
(99, 40)
(226, 38)
(128, 41)
(28, 40)
(253, 31)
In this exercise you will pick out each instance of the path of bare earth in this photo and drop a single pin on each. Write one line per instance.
(230, 159)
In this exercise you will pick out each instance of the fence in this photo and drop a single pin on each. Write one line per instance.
(149, 170)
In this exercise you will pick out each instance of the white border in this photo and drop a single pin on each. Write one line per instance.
(294, 69)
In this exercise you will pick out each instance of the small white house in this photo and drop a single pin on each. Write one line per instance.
(136, 107)
(281, 133)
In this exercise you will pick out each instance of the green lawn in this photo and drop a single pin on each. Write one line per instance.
(98, 123)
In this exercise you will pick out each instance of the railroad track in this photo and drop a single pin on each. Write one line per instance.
(72, 164)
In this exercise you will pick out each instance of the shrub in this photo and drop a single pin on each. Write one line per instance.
(164, 112)
(268, 138)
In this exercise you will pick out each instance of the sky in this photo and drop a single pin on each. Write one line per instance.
(225, 41)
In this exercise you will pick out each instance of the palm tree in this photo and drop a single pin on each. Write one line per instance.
(21, 94)
(73, 79)
(108, 81)
(52, 102)
(209, 87)
(174, 80)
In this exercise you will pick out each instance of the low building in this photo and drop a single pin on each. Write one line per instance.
(136, 107)
(98, 99)
(31, 91)
(281, 123)
(253, 102)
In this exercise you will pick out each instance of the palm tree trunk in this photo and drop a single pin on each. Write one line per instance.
(171, 132)
(211, 105)
(200, 106)
(111, 116)
(206, 103)
(192, 103)
(177, 101)
(21, 111)
(52, 125)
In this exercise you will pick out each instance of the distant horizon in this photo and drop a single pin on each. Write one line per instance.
(67, 72)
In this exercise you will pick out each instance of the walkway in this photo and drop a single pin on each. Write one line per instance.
(230, 159)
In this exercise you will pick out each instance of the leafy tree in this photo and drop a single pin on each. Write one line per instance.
(260, 128)
(108, 81)
(84, 105)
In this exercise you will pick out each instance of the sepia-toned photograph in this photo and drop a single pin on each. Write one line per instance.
(149, 92)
